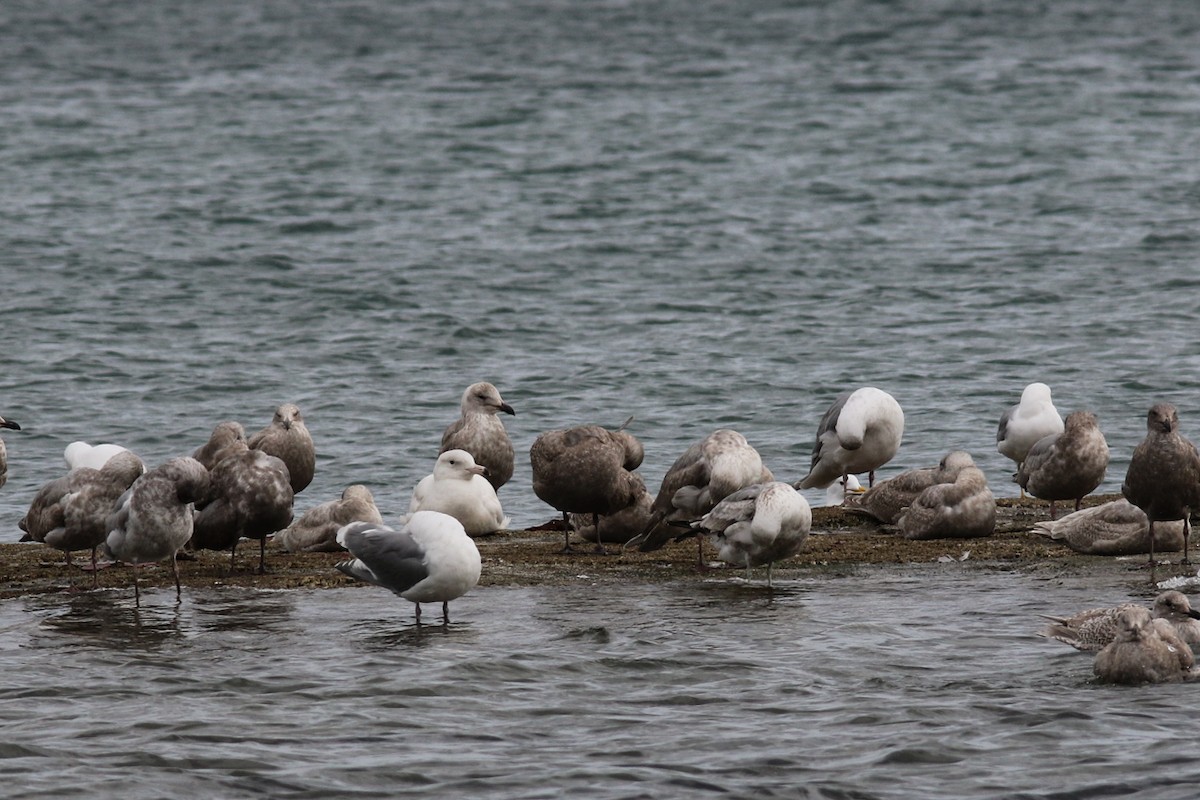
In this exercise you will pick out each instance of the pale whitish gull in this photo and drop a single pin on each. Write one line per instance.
(1116, 528)
(616, 528)
(1067, 465)
(962, 509)
(153, 518)
(1095, 628)
(887, 499)
(757, 525)
(586, 470)
(287, 438)
(251, 498)
(859, 433)
(227, 438)
(1024, 424)
(1145, 650)
(316, 529)
(705, 474)
(71, 513)
(459, 487)
(95, 456)
(430, 560)
(840, 491)
(1163, 478)
(481, 433)
(5, 423)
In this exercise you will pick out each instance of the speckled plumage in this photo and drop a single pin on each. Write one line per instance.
(1116, 528)
(887, 499)
(1145, 650)
(287, 438)
(481, 433)
(316, 529)
(1068, 465)
(251, 497)
(965, 508)
(1093, 629)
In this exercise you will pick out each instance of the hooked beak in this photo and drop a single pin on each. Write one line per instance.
(1193, 613)
(479, 469)
(8, 423)
(507, 409)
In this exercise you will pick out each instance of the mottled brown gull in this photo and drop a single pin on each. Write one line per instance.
(12, 426)
(287, 438)
(887, 499)
(227, 438)
(481, 433)
(965, 508)
(1093, 629)
(251, 498)
(586, 470)
(1145, 650)
(1068, 465)
(459, 487)
(430, 560)
(616, 528)
(316, 529)
(1163, 478)
(1116, 528)
(859, 433)
(153, 518)
(1025, 424)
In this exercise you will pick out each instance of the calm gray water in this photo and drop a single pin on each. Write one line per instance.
(703, 214)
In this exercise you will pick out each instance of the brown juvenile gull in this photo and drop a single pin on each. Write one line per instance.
(757, 525)
(705, 474)
(1026, 423)
(887, 499)
(1068, 465)
(153, 519)
(1116, 528)
(962, 509)
(459, 487)
(5, 423)
(616, 528)
(316, 529)
(1095, 628)
(481, 433)
(251, 497)
(859, 433)
(586, 470)
(1145, 650)
(227, 438)
(1163, 478)
(71, 513)
(287, 438)
(430, 560)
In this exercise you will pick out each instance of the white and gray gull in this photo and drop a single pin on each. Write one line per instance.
(1023, 425)
(859, 433)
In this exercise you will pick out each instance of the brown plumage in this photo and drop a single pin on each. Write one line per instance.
(251, 497)
(287, 438)
(227, 438)
(316, 529)
(887, 499)
(1145, 650)
(481, 433)
(1163, 478)
(1067, 465)
(962, 509)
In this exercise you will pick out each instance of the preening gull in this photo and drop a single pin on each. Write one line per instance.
(887, 499)
(705, 474)
(757, 525)
(1163, 478)
(251, 497)
(1068, 465)
(431, 559)
(839, 491)
(1023, 425)
(5, 423)
(227, 438)
(616, 528)
(153, 518)
(71, 513)
(316, 529)
(481, 433)
(859, 433)
(82, 454)
(962, 509)
(1095, 628)
(1116, 528)
(586, 470)
(287, 438)
(459, 487)
(1145, 650)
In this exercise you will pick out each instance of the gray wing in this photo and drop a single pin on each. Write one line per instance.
(392, 558)
(1002, 429)
(737, 507)
(828, 425)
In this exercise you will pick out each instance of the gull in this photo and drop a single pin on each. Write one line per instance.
(964, 508)
(1026, 423)
(887, 499)
(287, 438)
(1145, 650)
(12, 426)
(251, 497)
(1163, 478)
(757, 525)
(459, 487)
(1067, 465)
(316, 529)
(481, 433)
(1095, 628)
(859, 433)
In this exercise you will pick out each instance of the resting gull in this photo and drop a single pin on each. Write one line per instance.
(153, 519)
(859, 433)
(885, 500)
(287, 438)
(1067, 465)
(251, 497)
(1163, 478)
(12, 426)
(840, 491)
(431, 559)
(1024, 424)
(82, 454)
(481, 433)
(1095, 628)
(616, 528)
(962, 509)
(1116, 528)
(71, 513)
(705, 474)
(227, 438)
(316, 529)
(587, 470)
(1145, 650)
(459, 487)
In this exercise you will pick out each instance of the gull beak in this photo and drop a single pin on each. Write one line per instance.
(507, 409)
(479, 469)
(8, 423)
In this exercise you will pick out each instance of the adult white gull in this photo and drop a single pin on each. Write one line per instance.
(459, 487)
(431, 559)
(859, 433)
(481, 433)
(1023, 425)
(94, 456)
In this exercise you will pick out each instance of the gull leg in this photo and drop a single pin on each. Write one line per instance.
(175, 572)
(262, 556)
(1187, 532)
(445, 612)
(418, 605)
(567, 534)
(596, 528)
